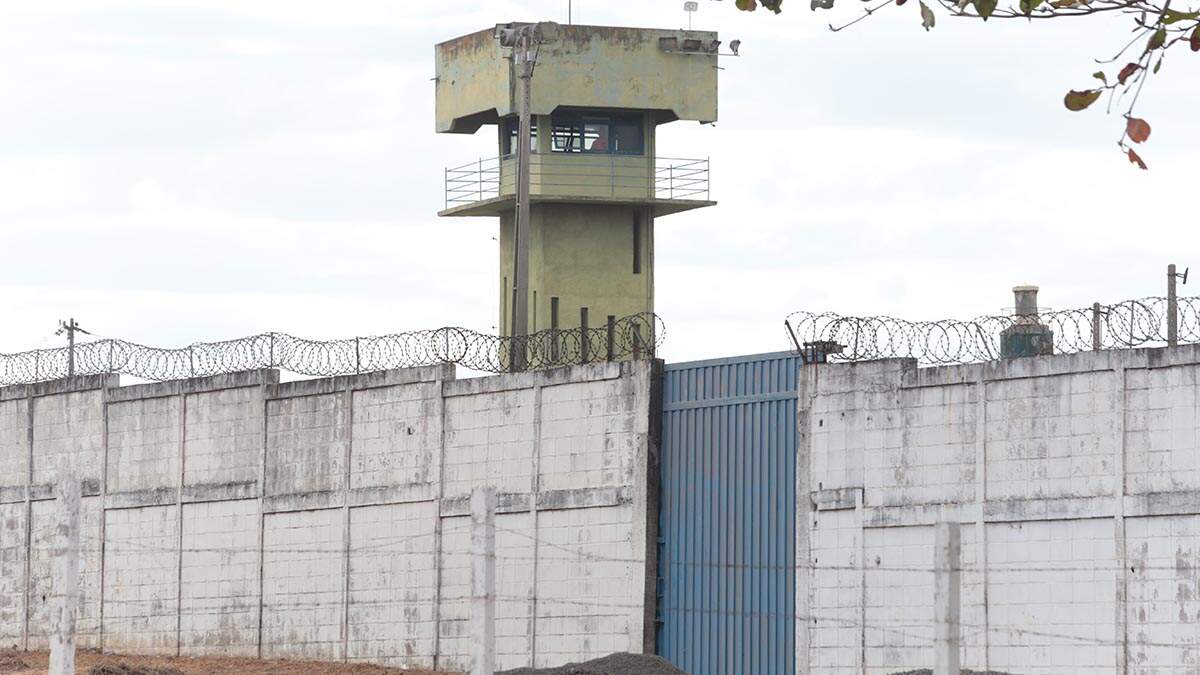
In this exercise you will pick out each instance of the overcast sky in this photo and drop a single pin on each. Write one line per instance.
(182, 171)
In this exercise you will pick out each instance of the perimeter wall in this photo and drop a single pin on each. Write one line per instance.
(329, 519)
(1076, 479)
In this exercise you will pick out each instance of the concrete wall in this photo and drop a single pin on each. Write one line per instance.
(329, 519)
(587, 67)
(1077, 480)
(583, 255)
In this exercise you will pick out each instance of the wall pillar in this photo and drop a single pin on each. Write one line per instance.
(947, 598)
(65, 606)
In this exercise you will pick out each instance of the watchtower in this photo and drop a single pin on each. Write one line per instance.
(597, 95)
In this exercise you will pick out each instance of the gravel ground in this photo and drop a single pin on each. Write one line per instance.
(613, 664)
(93, 663)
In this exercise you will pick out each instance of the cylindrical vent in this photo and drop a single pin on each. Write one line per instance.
(1026, 336)
(1026, 300)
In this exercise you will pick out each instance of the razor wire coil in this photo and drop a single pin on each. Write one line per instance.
(1131, 323)
(631, 336)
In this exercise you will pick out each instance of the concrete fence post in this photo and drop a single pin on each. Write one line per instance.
(947, 587)
(483, 581)
(66, 579)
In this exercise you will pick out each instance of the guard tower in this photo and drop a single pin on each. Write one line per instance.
(597, 97)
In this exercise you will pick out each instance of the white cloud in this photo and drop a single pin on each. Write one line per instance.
(184, 171)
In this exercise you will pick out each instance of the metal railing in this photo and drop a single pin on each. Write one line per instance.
(1148, 322)
(580, 175)
(636, 336)
(473, 182)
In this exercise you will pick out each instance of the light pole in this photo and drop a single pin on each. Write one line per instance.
(524, 40)
(70, 328)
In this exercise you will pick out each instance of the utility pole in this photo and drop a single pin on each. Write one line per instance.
(524, 39)
(524, 61)
(70, 328)
(483, 581)
(1173, 304)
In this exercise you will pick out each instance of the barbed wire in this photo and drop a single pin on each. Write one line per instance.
(1127, 324)
(630, 336)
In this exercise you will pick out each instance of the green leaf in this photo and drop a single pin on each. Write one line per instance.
(1170, 16)
(1099, 75)
(1194, 42)
(1158, 65)
(747, 5)
(927, 18)
(1079, 100)
(1157, 40)
(985, 8)
(1027, 6)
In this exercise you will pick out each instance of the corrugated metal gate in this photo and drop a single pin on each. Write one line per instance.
(727, 541)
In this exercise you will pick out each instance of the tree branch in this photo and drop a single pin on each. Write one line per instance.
(866, 13)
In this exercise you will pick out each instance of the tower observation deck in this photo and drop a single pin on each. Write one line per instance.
(596, 185)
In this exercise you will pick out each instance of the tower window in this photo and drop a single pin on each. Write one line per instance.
(512, 127)
(597, 134)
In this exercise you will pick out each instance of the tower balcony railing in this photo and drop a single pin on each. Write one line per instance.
(582, 176)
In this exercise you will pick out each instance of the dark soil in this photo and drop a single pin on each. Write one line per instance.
(613, 664)
(89, 662)
(122, 669)
(11, 664)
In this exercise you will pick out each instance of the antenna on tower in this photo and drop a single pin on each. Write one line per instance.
(690, 7)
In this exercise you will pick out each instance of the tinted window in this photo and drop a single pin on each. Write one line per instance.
(599, 134)
(512, 125)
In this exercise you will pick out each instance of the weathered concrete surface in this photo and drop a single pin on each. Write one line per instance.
(327, 518)
(1075, 479)
(588, 67)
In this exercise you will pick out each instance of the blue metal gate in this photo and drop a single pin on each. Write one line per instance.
(727, 541)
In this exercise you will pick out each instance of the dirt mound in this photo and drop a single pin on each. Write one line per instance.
(11, 664)
(122, 669)
(613, 664)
